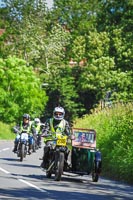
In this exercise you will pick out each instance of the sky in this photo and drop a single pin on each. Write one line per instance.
(49, 3)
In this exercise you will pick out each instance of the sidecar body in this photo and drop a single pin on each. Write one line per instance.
(85, 158)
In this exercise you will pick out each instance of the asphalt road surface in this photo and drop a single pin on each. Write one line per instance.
(26, 180)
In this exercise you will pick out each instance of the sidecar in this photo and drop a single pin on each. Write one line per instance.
(85, 158)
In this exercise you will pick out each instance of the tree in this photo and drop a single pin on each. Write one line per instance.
(78, 16)
(89, 31)
(79, 49)
(116, 18)
(33, 37)
(62, 92)
(20, 90)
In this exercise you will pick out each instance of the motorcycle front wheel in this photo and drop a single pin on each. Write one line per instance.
(48, 174)
(34, 146)
(22, 152)
(59, 166)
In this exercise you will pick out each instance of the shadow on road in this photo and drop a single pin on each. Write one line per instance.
(22, 164)
(10, 159)
(33, 194)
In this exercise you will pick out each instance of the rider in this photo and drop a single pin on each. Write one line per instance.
(25, 124)
(37, 129)
(55, 124)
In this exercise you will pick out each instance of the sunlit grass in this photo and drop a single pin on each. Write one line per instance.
(114, 127)
(5, 132)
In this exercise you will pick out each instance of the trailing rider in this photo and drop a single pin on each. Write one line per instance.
(25, 125)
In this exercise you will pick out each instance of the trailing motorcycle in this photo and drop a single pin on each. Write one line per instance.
(36, 140)
(57, 155)
(22, 146)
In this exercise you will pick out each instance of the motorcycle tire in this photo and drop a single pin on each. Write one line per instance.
(18, 150)
(34, 147)
(22, 152)
(95, 174)
(59, 166)
(48, 174)
(25, 151)
(95, 177)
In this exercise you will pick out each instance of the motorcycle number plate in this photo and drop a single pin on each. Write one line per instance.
(61, 142)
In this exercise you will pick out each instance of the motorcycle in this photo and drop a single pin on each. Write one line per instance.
(57, 155)
(36, 140)
(22, 146)
(77, 155)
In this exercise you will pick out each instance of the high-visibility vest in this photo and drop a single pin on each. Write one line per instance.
(27, 128)
(37, 127)
(60, 128)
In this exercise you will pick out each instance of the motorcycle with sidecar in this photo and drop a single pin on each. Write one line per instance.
(77, 154)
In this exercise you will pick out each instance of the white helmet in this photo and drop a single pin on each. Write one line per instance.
(37, 120)
(59, 113)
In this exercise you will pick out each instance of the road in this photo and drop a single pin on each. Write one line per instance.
(26, 181)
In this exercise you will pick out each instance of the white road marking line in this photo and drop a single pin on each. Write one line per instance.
(30, 184)
(26, 182)
(6, 197)
(4, 149)
(5, 171)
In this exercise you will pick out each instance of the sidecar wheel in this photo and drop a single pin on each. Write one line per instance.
(96, 171)
(95, 177)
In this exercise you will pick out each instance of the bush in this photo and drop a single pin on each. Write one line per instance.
(114, 129)
(5, 132)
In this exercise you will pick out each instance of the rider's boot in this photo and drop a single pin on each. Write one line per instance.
(40, 145)
(30, 149)
(44, 162)
(15, 148)
(39, 141)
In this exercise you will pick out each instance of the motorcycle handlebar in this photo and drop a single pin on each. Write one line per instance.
(16, 131)
(50, 134)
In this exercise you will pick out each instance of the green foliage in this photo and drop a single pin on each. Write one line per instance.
(27, 26)
(116, 18)
(78, 48)
(98, 44)
(34, 38)
(79, 16)
(97, 32)
(5, 132)
(98, 74)
(20, 90)
(114, 129)
(61, 90)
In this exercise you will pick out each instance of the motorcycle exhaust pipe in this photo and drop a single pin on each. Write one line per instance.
(50, 167)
